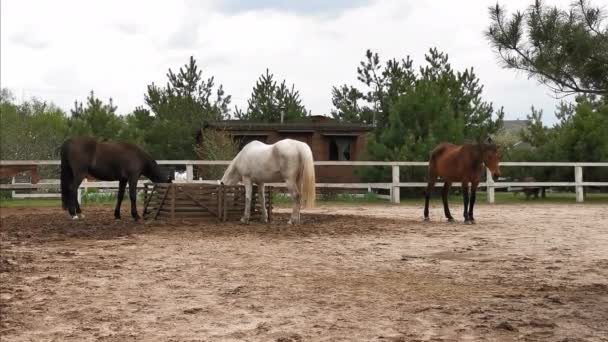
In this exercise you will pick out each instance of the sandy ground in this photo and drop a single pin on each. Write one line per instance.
(368, 273)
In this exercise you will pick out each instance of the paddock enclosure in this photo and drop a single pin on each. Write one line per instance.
(535, 272)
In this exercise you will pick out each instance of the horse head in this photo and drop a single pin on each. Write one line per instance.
(159, 174)
(491, 156)
(231, 176)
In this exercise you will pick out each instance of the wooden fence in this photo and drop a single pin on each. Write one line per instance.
(394, 186)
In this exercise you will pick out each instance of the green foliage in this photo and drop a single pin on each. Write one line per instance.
(28, 203)
(215, 145)
(346, 100)
(415, 110)
(177, 112)
(580, 135)
(368, 197)
(136, 127)
(92, 197)
(566, 49)
(96, 119)
(582, 132)
(382, 84)
(31, 130)
(270, 100)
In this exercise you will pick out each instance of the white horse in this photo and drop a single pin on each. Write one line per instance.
(286, 160)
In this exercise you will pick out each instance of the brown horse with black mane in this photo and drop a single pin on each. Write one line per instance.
(107, 161)
(9, 171)
(461, 163)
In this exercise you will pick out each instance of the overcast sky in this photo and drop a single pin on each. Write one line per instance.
(59, 50)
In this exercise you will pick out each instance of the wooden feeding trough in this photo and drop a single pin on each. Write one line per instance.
(201, 201)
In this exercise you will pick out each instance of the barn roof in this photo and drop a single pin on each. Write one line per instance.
(315, 124)
(509, 125)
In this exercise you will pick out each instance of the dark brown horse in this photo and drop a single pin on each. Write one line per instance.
(460, 163)
(9, 171)
(84, 156)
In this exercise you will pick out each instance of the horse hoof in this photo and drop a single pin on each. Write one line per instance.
(467, 222)
(244, 221)
(426, 219)
(451, 220)
(81, 216)
(74, 217)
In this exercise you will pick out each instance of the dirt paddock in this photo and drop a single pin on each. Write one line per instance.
(359, 273)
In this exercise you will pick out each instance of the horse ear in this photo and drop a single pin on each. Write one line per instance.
(489, 140)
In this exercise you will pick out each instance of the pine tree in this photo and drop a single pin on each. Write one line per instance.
(347, 105)
(414, 111)
(178, 111)
(96, 119)
(565, 49)
(272, 102)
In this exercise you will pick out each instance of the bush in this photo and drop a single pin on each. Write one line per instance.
(215, 145)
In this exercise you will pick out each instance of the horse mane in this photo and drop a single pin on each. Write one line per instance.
(479, 151)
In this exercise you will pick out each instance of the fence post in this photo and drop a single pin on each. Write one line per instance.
(189, 173)
(13, 193)
(490, 187)
(578, 179)
(395, 191)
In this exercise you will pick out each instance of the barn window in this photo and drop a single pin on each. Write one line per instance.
(340, 148)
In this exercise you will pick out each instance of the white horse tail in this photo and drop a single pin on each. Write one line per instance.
(307, 177)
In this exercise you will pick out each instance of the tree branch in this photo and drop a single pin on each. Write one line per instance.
(588, 21)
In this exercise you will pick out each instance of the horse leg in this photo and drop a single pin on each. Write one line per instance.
(472, 202)
(262, 202)
(73, 205)
(465, 199)
(79, 213)
(78, 210)
(444, 196)
(122, 184)
(431, 184)
(133, 197)
(248, 193)
(427, 197)
(296, 198)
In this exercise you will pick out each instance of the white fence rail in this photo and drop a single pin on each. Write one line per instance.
(394, 186)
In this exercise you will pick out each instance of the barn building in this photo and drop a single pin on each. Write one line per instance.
(328, 140)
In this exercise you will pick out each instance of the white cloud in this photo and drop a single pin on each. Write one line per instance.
(60, 50)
